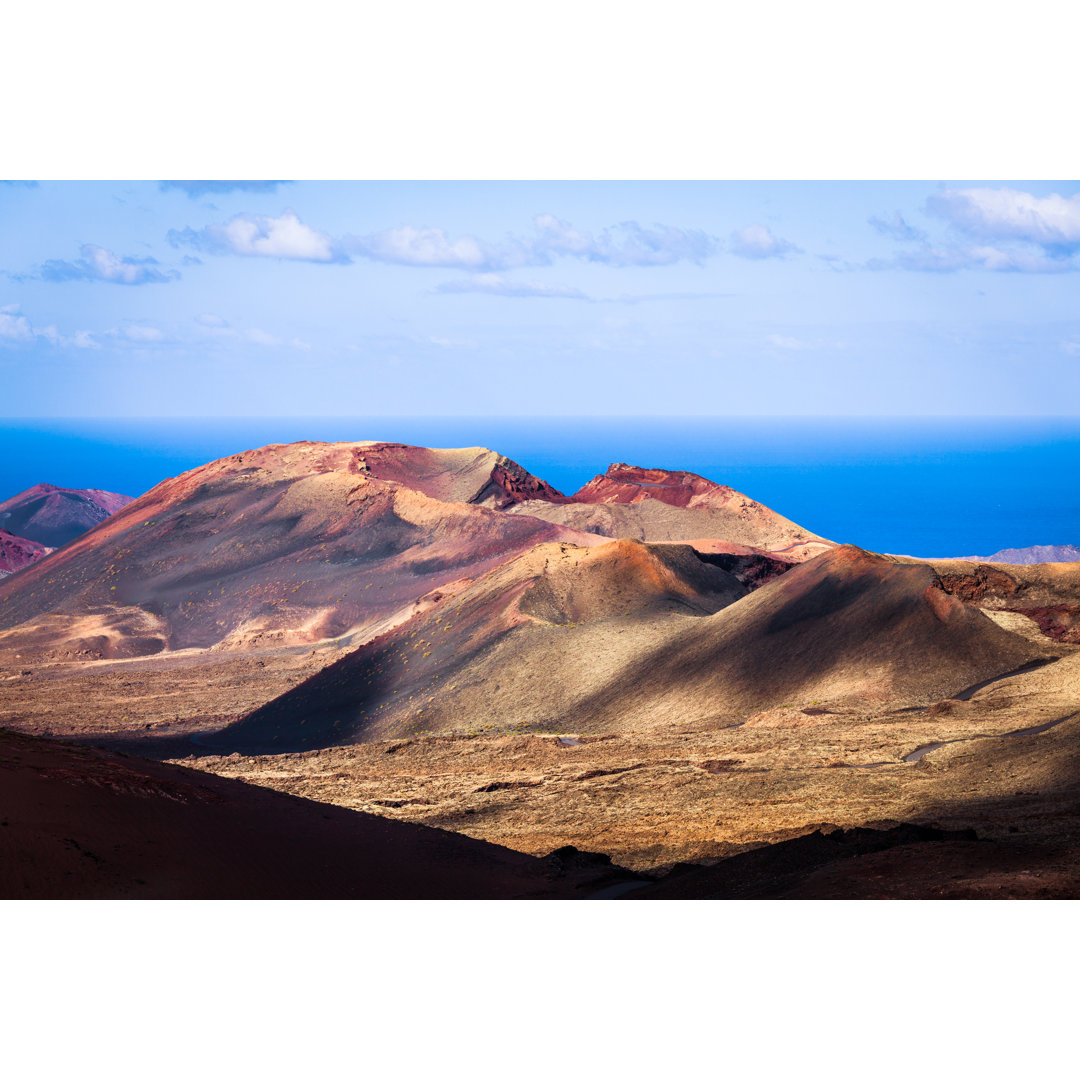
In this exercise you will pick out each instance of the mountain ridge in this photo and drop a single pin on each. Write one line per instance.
(302, 542)
(1028, 556)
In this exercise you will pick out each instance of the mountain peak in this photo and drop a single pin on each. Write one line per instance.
(623, 483)
(53, 516)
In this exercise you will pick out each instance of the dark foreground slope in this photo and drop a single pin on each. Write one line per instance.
(53, 516)
(78, 823)
(846, 629)
(905, 862)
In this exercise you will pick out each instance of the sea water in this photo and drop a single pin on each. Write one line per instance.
(916, 486)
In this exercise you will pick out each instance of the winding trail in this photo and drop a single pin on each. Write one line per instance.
(921, 751)
(1033, 665)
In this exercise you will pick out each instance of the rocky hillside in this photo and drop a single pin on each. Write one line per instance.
(17, 552)
(53, 516)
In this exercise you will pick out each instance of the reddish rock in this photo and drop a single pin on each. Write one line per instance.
(472, 474)
(982, 582)
(17, 552)
(1061, 622)
(659, 505)
(629, 484)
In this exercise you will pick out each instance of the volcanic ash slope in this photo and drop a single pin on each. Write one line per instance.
(628, 635)
(660, 504)
(278, 546)
(527, 643)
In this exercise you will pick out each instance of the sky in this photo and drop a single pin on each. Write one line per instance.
(282, 298)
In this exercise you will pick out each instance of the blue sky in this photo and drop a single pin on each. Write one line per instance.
(575, 298)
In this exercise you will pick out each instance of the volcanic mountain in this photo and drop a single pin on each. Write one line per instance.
(1040, 553)
(628, 635)
(501, 648)
(282, 545)
(658, 504)
(17, 552)
(471, 475)
(53, 515)
(88, 824)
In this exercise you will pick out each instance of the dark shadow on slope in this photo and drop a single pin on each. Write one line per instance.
(80, 823)
(822, 619)
(769, 872)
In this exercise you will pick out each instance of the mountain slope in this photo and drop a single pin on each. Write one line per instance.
(281, 545)
(658, 504)
(53, 516)
(88, 824)
(848, 628)
(471, 474)
(525, 637)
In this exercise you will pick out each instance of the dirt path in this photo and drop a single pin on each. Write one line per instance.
(920, 752)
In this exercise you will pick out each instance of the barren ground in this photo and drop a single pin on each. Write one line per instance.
(649, 798)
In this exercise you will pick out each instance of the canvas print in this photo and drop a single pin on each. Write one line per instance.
(536, 540)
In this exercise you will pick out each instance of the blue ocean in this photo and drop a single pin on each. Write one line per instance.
(926, 486)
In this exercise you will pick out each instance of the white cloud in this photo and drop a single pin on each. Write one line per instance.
(782, 342)
(83, 339)
(195, 189)
(259, 236)
(896, 227)
(949, 258)
(100, 264)
(758, 242)
(560, 236)
(625, 244)
(16, 328)
(218, 328)
(135, 332)
(645, 298)
(452, 343)
(261, 337)
(1050, 221)
(410, 246)
(500, 286)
